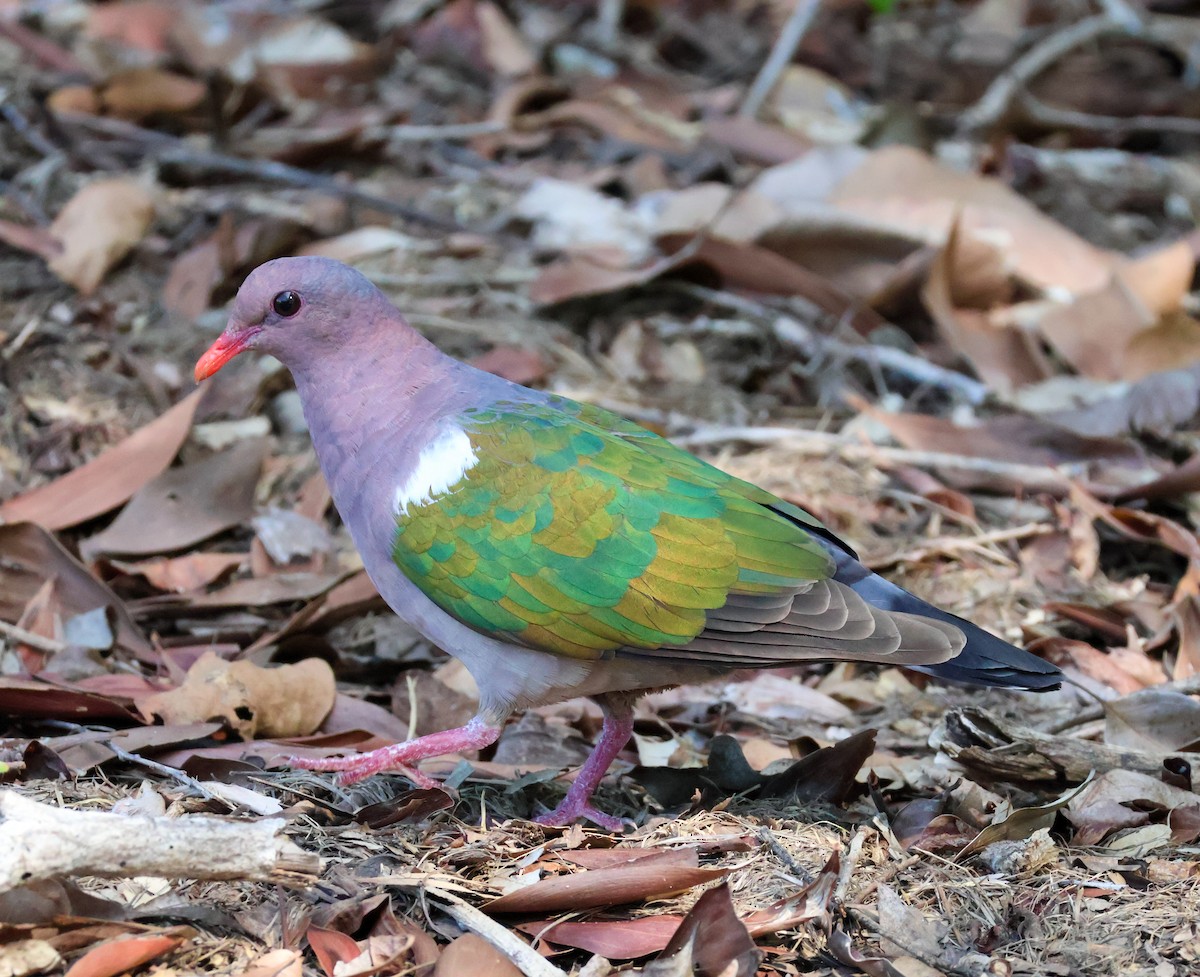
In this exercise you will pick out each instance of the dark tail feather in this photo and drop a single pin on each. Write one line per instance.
(985, 660)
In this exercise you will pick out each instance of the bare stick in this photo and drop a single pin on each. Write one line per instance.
(1049, 115)
(21, 636)
(524, 957)
(794, 333)
(997, 100)
(168, 149)
(39, 841)
(1184, 686)
(790, 36)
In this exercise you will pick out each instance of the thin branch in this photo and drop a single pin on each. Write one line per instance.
(812, 344)
(21, 636)
(790, 36)
(997, 100)
(168, 149)
(1184, 686)
(1052, 116)
(524, 957)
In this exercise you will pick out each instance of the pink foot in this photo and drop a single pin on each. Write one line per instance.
(568, 813)
(618, 727)
(402, 757)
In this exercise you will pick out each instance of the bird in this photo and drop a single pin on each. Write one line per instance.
(558, 549)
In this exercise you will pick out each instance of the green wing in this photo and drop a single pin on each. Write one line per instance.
(578, 532)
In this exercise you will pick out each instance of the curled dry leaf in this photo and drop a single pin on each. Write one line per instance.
(1005, 356)
(711, 941)
(289, 700)
(97, 228)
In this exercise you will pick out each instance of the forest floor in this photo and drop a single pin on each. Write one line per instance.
(928, 274)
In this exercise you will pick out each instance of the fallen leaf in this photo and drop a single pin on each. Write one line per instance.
(140, 93)
(110, 478)
(97, 227)
(1022, 822)
(333, 949)
(504, 49)
(30, 556)
(647, 878)
(471, 954)
(1153, 720)
(183, 574)
(185, 505)
(1004, 356)
(711, 941)
(119, 956)
(614, 939)
(288, 700)
(276, 963)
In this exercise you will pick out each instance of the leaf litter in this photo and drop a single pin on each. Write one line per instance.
(975, 357)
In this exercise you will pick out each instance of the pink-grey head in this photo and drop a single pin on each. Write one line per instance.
(297, 306)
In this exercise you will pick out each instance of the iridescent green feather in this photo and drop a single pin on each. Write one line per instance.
(578, 532)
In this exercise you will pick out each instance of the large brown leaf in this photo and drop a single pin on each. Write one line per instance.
(186, 505)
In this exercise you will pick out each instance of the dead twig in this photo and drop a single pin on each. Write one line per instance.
(792, 332)
(1040, 478)
(1184, 686)
(524, 957)
(1051, 116)
(164, 149)
(21, 636)
(790, 36)
(997, 100)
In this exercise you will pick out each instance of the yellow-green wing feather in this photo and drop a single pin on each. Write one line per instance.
(579, 533)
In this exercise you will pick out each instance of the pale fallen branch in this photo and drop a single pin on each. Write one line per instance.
(39, 841)
(996, 101)
(790, 36)
(524, 957)
(22, 637)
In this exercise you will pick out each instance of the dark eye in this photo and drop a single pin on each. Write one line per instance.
(286, 304)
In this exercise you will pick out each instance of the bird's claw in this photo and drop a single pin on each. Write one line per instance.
(570, 811)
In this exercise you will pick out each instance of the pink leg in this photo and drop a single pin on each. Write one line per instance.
(618, 727)
(402, 756)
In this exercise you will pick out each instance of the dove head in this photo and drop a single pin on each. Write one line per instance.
(301, 311)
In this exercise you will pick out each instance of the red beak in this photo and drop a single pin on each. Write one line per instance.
(221, 352)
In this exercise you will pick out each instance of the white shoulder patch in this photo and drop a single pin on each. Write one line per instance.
(441, 463)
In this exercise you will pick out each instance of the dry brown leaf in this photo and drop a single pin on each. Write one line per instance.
(122, 955)
(903, 188)
(110, 478)
(647, 878)
(97, 227)
(186, 505)
(504, 48)
(289, 700)
(276, 963)
(30, 556)
(613, 939)
(140, 93)
(473, 955)
(1153, 720)
(711, 941)
(1004, 356)
(1161, 278)
(181, 574)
